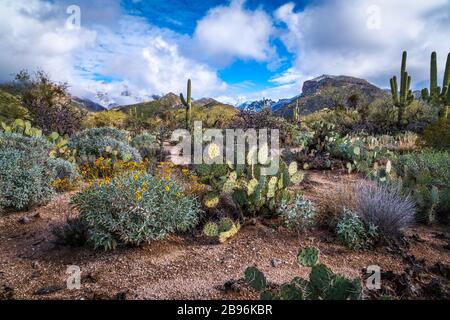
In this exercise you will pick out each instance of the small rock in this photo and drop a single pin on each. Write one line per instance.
(24, 220)
(276, 262)
(35, 265)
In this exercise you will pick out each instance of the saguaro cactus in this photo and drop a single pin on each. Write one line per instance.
(296, 114)
(188, 104)
(436, 95)
(405, 97)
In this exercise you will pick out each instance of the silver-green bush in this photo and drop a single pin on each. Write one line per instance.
(25, 173)
(93, 143)
(298, 216)
(135, 208)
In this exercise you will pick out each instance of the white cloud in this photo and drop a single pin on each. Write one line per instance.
(232, 32)
(142, 59)
(333, 38)
(29, 40)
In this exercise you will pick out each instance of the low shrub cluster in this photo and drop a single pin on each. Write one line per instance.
(135, 208)
(353, 233)
(368, 212)
(300, 215)
(426, 175)
(27, 171)
(105, 142)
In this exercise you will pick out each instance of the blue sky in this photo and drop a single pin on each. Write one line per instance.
(233, 50)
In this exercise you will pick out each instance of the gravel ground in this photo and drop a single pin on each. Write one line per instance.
(180, 267)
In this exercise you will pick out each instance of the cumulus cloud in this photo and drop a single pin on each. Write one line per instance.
(132, 57)
(365, 38)
(28, 39)
(232, 32)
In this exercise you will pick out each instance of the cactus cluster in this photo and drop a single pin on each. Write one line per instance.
(254, 193)
(405, 97)
(188, 104)
(225, 229)
(438, 95)
(322, 284)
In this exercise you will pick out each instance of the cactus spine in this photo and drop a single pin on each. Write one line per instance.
(405, 97)
(435, 95)
(188, 104)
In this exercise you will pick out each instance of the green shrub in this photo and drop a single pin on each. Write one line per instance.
(73, 233)
(427, 176)
(298, 216)
(26, 173)
(351, 231)
(93, 143)
(66, 174)
(146, 144)
(135, 208)
(437, 135)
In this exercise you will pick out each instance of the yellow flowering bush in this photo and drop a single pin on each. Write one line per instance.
(135, 208)
(106, 168)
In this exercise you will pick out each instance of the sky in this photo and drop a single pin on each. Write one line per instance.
(233, 51)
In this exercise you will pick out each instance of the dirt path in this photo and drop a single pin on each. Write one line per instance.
(180, 267)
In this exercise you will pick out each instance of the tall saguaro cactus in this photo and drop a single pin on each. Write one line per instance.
(436, 95)
(296, 114)
(405, 97)
(188, 104)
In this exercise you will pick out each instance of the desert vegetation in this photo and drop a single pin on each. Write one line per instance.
(365, 181)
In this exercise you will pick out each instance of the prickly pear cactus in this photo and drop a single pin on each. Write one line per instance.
(224, 236)
(211, 200)
(308, 257)
(255, 279)
(211, 229)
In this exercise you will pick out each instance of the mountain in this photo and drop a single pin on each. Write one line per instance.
(168, 101)
(88, 105)
(257, 105)
(327, 90)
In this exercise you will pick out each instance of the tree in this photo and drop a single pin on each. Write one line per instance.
(49, 103)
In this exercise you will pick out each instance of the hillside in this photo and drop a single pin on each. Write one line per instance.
(326, 91)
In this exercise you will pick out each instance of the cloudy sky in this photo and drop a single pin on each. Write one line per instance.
(232, 50)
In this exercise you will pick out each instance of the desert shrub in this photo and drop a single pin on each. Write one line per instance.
(353, 233)
(26, 175)
(343, 120)
(111, 118)
(333, 203)
(437, 135)
(111, 143)
(426, 175)
(298, 216)
(66, 174)
(135, 208)
(73, 232)
(146, 144)
(11, 108)
(49, 103)
(106, 168)
(381, 206)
